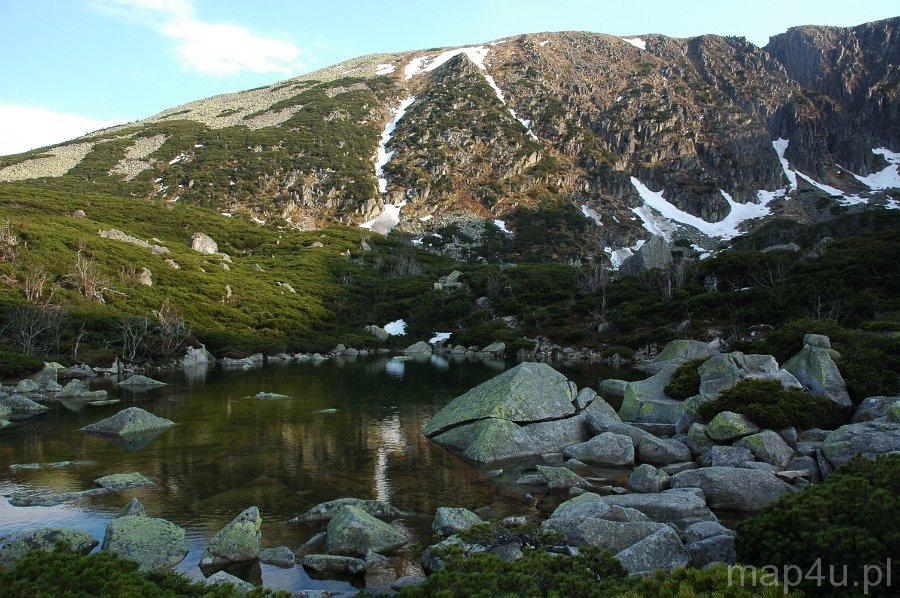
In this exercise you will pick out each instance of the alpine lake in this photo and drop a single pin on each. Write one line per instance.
(349, 427)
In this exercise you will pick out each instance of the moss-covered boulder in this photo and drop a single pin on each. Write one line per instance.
(131, 421)
(237, 542)
(646, 401)
(353, 532)
(867, 439)
(724, 371)
(18, 408)
(14, 547)
(607, 448)
(123, 481)
(769, 447)
(685, 350)
(733, 488)
(727, 426)
(152, 543)
(816, 370)
(450, 520)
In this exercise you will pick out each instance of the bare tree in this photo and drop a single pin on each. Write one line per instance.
(34, 330)
(774, 272)
(171, 329)
(87, 279)
(594, 280)
(9, 244)
(35, 286)
(136, 331)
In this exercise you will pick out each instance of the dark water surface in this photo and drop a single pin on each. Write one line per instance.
(230, 451)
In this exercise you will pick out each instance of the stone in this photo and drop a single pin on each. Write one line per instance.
(133, 420)
(377, 331)
(733, 488)
(133, 508)
(354, 532)
(203, 243)
(17, 545)
(791, 247)
(873, 408)
(338, 565)
(323, 512)
(152, 543)
(74, 388)
(138, 380)
(18, 408)
(705, 529)
(606, 448)
(727, 426)
(602, 533)
(270, 396)
(495, 348)
(722, 372)
(237, 542)
(769, 447)
(654, 254)
(678, 467)
(419, 348)
(123, 481)
(27, 386)
(407, 581)
(679, 506)
(686, 350)
(717, 549)
(585, 397)
(146, 277)
(819, 341)
(224, 578)
(660, 550)
(817, 371)
(561, 478)
(586, 505)
(614, 387)
(789, 435)
(646, 478)
(279, 556)
(451, 520)
(725, 456)
(698, 440)
(491, 440)
(197, 356)
(645, 400)
(868, 439)
(662, 451)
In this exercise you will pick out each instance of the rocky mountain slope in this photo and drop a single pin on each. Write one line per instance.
(564, 146)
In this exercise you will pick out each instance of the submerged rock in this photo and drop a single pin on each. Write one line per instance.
(326, 510)
(138, 380)
(330, 563)
(14, 547)
(150, 542)
(133, 508)
(123, 481)
(237, 542)
(450, 520)
(133, 420)
(279, 556)
(354, 532)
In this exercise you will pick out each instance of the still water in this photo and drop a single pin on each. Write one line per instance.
(348, 428)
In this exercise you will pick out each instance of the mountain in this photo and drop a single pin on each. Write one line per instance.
(550, 146)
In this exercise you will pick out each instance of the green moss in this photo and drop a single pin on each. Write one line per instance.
(685, 381)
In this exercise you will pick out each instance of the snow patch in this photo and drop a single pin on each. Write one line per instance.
(502, 226)
(781, 145)
(177, 159)
(382, 157)
(386, 220)
(396, 328)
(425, 218)
(636, 42)
(384, 69)
(499, 93)
(544, 43)
(439, 337)
(591, 213)
(620, 255)
(888, 177)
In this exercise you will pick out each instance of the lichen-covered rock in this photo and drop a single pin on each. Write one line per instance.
(705, 529)
(138, 381)
(197, 356)
(224, 578)
(660, 550)
(279, 556)
(326, 510)
(237, 542)
(769, 447)
(722, 372)
(377, 331)
(585, 397)
(607, 448)
(868, 439)
(682, 350)
(873, 408)
(732, 488)
(330, 563)
(646, 478)
(698, 440)
(203, 243)
(716, 549)
(585, 505)
(725, 456)
(561, 478)
(451, 520)
(614, 387)
(727, 426)
(679, 506)
(152, 543)
(419, 348)
(123, 481)
(20, 408)
(817, 371)
(133, 420)
(645, 400)
(354, 532)
(134, 508)
(15, 546)
(600, 532)
(662, 451)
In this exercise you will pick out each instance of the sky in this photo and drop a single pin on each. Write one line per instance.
(72, 66)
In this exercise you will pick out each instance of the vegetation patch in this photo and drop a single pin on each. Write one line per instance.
(685, 381)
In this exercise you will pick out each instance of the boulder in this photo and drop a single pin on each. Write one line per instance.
(140, 381)
(585, 397)
(133, 508)
(717, 549)
(660, 550)
(814, 367)
(698, 439)
(123, 481)
(645, 400)
(732, 488)
(607, 448)
(614, 387)
(727, 426)
(873, 408)
(196, 356)
(662, 451)
(769, 447)
(868, 439)
(525, 393)
(237, 542)
(495, 348)
(655, 253)
(338, 565)
(377, 331)
(679, 506)
(18, 408)
(325, 511)
(203, 243)
(561, 478)
(133, 420)
(580, 507)
(354, 532)
(270, 396)
(150, 542)
(241, 587)
(419, 348)
(600, 532)
(407, 581)
(17, 545)
(722, 372)
(725, 456)
(279, 556)
(646, 478)
(450, 520)
(686, 350)
(705, 529)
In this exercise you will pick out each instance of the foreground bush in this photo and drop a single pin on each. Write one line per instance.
(15, 364)
(851, 519)
(714, 581)
(685, 381)
(769, 405)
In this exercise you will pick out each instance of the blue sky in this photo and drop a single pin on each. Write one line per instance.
(69, 66)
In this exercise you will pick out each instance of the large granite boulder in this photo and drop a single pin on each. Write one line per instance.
(725, 456)
(646, 478)
(336, 564)
(18, 408)
(133, 420)
(325, 511)
(814, 367)
(140, 382)
(660, 550)
(237, 542)
(607, 448)
(15, 546)
(769, 447)
(377, 331)
(728, 425)
(662, 451)
(150, 542)
(219, 578)
(656, 253)
(732, 488)
(873, 408)
(646, 401)
(451, 520)
(420, 348)
(197, 356)
(722, 372)
(600, 532)
(868, 439)
(679, 506)
(353, 532)
(203, 243)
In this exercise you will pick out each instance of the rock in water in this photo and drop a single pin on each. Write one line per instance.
(733, 488)
(353, 532)
(816, 370)
(123, 481)
(450, 520)
(419, 348)
(14, 547)
(19, 408)
(138, 381)
(237, 542)
(279, 556)
(326, 510)
(134, 508)
(133, 420)
(197, 356)
(152, 543)
(223, 578)
(330, 563)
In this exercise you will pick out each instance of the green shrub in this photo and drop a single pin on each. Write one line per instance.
(15, 364)
(851, 519)
(624, 352)
(46, 574)
(685, 381)
(769, 405)
(714, 581)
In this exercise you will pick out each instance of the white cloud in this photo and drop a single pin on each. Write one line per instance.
(27, 127)
(205, 47)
